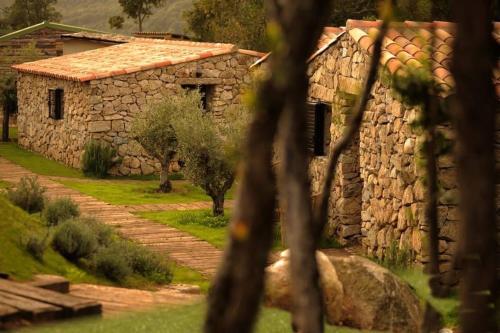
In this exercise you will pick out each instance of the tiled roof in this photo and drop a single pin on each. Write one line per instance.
(407, 44)
(329, 36)
(44, 25)
(103, 37)
(139, 55)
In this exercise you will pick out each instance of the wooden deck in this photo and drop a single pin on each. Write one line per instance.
(21, 303)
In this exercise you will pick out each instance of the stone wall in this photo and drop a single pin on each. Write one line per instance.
(61, 140)
(378, 195)
(106, 108)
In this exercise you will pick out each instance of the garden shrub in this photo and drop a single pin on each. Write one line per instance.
(75, 240)
(28, 195)
(97, 159)
(36, 246)
(204, 219)
(59, 211)
(112, 264)
(148, 264)
(102, 232)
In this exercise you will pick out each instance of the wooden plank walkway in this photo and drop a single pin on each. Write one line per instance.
(181, 247)
(23, 302)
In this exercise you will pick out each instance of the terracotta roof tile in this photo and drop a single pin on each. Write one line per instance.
(408, 44)
(138, 55)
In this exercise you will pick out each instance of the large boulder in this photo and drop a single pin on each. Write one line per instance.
(277, 293)
(374, 298)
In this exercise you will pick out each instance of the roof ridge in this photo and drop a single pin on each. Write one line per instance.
(45, 24)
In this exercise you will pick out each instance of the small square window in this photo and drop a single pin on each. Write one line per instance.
(56, 104)
(206, 92)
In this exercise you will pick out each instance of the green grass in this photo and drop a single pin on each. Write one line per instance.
(36, 162)
(196, 223)
(215, 236)
(185, 319)
(4, 184)
(136, 192)
(12, 133)
(186, 275)
(15, 226)
(448, 307)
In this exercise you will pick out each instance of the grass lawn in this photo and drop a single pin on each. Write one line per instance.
(199, 223)
(16, 226)
(4, 184)
(186, 275)
(35, 162)
(448, 307)
(136, 192)
(185, 319)
(192, 222)
(12, 133)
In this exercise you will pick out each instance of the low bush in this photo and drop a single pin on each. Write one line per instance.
(103, 233)
(75, 240)
(36, 246)
(112, 264)
(148, 264)
(59, 211)
(205, 219)
(397, 258)
(98, 158)
(28, 195)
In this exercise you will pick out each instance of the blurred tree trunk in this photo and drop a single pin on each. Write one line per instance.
(474, 60)
(235, 297)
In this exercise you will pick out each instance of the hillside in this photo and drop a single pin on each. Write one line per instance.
(95, 14)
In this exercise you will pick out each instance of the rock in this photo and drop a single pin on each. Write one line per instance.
(277, 293)
(374, 298)
(408, 146)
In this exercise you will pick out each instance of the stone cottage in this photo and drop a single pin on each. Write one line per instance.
(378, 196)
(39, 41)
(64, 102)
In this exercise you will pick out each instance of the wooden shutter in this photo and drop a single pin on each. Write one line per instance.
(310, 126)
(319, 129)
(59, 103)
(52, 103)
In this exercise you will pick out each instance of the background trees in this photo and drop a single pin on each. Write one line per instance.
(241, 22)
(139, 10)
(155, 133)
(23, 13)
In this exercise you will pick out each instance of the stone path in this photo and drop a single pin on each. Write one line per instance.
(181, 247)
(116, 300)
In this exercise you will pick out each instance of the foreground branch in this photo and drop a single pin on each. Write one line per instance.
(352, 129)
(473, 63)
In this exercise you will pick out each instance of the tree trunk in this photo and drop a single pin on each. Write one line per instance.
(5, 124)
(473, 63)
(165, 183)
(218, 205)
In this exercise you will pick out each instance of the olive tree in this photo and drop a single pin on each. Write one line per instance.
(154, 132)
(210, 147)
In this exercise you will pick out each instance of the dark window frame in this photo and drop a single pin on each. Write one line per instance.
(56, 103)
(206, 91)
(318, 128)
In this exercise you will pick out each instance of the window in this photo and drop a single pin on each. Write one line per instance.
(318, 128)
(56, 104)
(206, 92)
